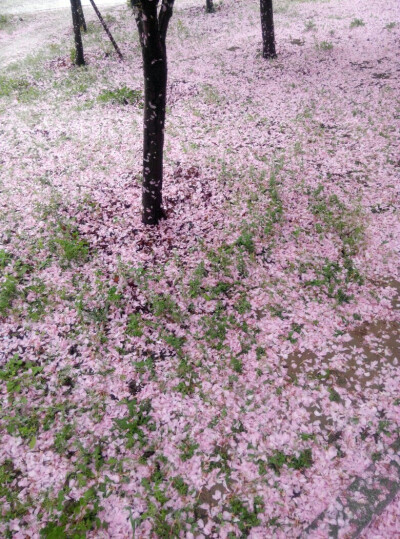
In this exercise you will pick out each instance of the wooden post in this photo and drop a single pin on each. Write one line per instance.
(106, 29)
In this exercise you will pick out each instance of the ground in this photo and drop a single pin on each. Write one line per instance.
(233, 372)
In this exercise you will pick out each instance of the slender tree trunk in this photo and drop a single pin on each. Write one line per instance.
(209, 6)
(152, 31)
(103, 23)
(81, 16)
(267, 27)
(79, 58)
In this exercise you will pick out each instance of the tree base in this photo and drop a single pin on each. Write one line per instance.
(153, 219)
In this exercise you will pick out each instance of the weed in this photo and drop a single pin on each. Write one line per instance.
(310, 25)
(246, 519)
(23, 423)
(8, 292)
(324, 46)
(4, 21)
(13, 508)
(390, 25)
(121, 96)
(69, 245)
(221, 259)
(280, 459)
(243, 305)
(17, 371)
(357, 22)
(164, 306)
(21, 88)
(77, 517)
(216, 327)
(180, 486)
(5, 258)
(246, 241)
(333, 395)
(237, 365)
(62, 438)
(211, 95)
(36, 306)
(134, 327)
(137, 420)
(183, 31)
(260, 352)
(188, 449)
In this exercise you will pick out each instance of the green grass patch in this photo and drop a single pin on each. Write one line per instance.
(121, 96)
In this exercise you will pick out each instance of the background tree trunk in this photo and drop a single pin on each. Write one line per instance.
(81, 16)
(209, 6)
(267, 27)
(152, 32)
(79, 58)
(107, 30)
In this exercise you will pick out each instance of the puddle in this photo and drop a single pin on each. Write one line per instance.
(372, 347)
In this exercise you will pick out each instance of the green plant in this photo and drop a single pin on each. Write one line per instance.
(72, 55)
(188, 449)
(121, 96)
(243, 305)
(10, 505)
(4, 21)
(5, 258)
(309, 25)
(138, 419)
(164, 306)
(245, 518)
(180, 486)
(62, 438)
(357, 22)
(324, 46)
(279, 459)
(17, 371)
(77, 517)
(69, 244)
(8, 292)
(134, 326)
(237, 365)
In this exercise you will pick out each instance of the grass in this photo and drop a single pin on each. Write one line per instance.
(4, 21)
(355, 23)
(20, 88)
(121, 96)
(324, 46)
(148, 321)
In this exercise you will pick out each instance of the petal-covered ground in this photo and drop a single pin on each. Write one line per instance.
(229, 372)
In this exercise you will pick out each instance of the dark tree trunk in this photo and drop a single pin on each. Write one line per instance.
(152, 29)
(81, 16)
(209, 6)
(267, 27)
(103, 23)
(79, 58)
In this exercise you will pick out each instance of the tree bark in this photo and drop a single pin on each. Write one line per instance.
(103, 23)
(81, 16)
(209, 6)
(152, 29)
(79, 57)
(267, 27)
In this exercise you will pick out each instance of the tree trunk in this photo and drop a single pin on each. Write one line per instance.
(267, 27)
(79, 58)
(209, 6)
(103, 23)
(81, 16)
(152, 31)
